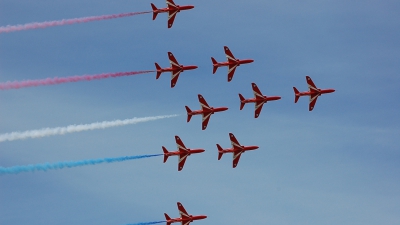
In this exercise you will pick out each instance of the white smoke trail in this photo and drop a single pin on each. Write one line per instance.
(44, 132)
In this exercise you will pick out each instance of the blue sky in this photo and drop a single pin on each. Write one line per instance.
(337, 164)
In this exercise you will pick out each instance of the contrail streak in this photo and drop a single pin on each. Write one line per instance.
(59, 80)
(37, 25)
(44, 132)
(70, 164)
(147, 223)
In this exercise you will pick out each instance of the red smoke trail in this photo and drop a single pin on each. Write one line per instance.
(46, 24)
(59, 80)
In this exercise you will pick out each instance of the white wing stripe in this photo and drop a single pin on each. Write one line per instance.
(256, 94)
(236, 155)
(204, 106)
(314, 98)
(232, 68)
(174, 74)
(170, 4)
(180, 147)
(258, 105)
(183, 214)
(171, 14)
(174, 64)
(312, 88)
(235, 145)
(206, 116)
(182, 157)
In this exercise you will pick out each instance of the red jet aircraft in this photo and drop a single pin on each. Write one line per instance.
(236, 149)
(185, 218)
(182, 152)
(259, 100)
(231, 63)
(206, 111)
(172, 9)
(176, 69)
(313, 92)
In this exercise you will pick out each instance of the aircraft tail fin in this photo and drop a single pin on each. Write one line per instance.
(296, 96)
(167, 218)
(158, 68)
(165, 154)
(215, 63)
(241, 101)
(188, 113)
(155, 11)
(220, 153)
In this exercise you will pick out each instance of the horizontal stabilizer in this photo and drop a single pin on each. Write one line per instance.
(155, 11)
(241, 101)
(220, 152)
(167, 218)
(165, 154)
(188, 113)
(296, 92)
(215, 65)
(158, 68)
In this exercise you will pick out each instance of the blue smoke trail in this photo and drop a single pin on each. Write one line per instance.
(148, 223)
(70, 164)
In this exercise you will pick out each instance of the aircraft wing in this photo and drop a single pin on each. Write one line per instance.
(236, 158)
(229, 55)
(171, 17)
(179, 144)
(257, 92)
(203, 103)
(313, 100)
(174, 63)
(311, 85)
(175, 77)
(182, 211)
(258, 109)
(171, 4)
(206, 119)
(231, 71)
(182, 160)
(234, 142)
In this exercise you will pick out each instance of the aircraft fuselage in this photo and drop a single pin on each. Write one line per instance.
(321, 91)
(181, 68)
(244, 149)
(237, 62)
(212, 111)
(189, 152)
(191, 219)
(265, 99)
(178, 8)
